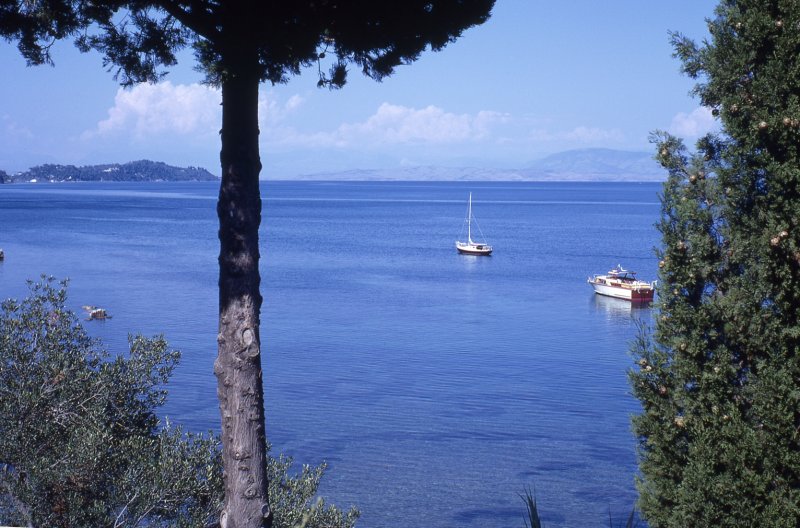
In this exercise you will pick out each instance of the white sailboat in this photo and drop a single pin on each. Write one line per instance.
(470, 247)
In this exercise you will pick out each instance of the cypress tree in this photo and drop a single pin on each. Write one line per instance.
(719, 381)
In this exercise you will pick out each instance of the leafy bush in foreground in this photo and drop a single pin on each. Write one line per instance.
(81, 445)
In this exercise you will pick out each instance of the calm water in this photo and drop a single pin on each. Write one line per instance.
(437, 386)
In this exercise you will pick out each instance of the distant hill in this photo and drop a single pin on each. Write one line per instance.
(418, 173)
(134, 171)
(573, 165)
(598, 164)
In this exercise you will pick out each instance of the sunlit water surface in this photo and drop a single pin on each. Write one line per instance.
(436, 386)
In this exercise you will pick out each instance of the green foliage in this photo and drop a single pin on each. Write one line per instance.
(718, 383)
(81, 445)
(79, 440)
(138, 39)
(294, 500)
(142, 170)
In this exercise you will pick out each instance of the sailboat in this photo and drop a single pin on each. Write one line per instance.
(470, 247)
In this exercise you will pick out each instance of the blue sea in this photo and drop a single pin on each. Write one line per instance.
(437, 386)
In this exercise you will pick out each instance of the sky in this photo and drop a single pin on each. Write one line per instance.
(536, 79)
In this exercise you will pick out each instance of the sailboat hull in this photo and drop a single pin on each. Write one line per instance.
(473, 249)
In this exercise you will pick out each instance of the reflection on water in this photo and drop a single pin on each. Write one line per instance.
(619, 308)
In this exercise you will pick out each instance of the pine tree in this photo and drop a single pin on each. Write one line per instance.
(238, 45)
(719, 434)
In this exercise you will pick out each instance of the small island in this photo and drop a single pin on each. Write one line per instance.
(134, 171)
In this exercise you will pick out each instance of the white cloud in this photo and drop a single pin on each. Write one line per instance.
(583, 134)
(12, 131)
(396, 125)
(148, 111)
(693, 125)
(178, 118)
(271, 111)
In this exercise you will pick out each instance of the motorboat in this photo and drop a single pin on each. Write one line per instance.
(623, 284)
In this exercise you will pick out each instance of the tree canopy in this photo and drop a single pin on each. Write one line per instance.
(139, 39)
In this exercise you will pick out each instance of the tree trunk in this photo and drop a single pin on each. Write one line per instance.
(238, 365)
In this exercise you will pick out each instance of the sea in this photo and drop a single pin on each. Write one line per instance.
(438, 387)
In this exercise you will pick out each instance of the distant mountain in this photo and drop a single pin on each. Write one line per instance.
(418, 173)
(572, 165)
(135, 171)
(598, 164)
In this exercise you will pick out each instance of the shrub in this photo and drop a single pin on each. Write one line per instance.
(81, 444)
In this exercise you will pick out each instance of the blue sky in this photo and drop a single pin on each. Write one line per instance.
(537, 78)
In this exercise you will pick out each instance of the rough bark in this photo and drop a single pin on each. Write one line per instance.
(238, 364)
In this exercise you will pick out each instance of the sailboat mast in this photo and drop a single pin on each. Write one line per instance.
(469, 220)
